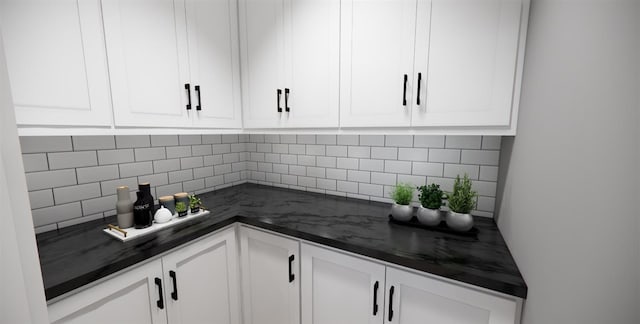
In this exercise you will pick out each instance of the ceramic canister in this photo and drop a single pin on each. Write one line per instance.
(182, 197)
(169, 203)
(124, 207)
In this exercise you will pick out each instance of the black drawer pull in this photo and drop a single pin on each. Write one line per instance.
(199, 106)
(391, 303)
(160, 302)
(174, 294)
(291, 275)
(286, 99)
(419, 84)
(188, 88)
(375, 298)
(279, 92)
(404, 90)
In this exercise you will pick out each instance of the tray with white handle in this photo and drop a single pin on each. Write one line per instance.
(131, 233)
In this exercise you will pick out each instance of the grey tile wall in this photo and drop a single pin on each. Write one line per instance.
(74, 179)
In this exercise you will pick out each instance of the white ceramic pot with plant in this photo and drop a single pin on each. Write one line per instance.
(401, 210)
(430, 202)
(461, 202)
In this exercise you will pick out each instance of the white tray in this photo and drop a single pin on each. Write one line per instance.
(133, 233)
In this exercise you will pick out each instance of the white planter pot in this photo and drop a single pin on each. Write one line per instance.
(402, 213)
(459, 222)
(429, 217)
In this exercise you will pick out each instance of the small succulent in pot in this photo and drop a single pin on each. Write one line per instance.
(181, 209)
(194, 204)
(461, 202)
(402, 194)
(430, 202)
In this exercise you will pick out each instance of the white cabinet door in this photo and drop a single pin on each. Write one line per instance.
(270, 278)
(418, 299)
(467, 54)
(56, 61)
(214, 62)
(148, 63)
(313, 63)
(377, 51)
(132, 297)
(201, 281)
(340, 289)
(262, 57)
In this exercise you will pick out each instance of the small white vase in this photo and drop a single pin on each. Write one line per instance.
(162, 215)
(459, 222)
(402, 213)
(429, 217)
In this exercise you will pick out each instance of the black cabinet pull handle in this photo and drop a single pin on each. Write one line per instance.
(286, 99)
(160, 301)
(375, 298)
(404, 90)
(391, 303)
(188, 88)
(174, 294)
(419, 84)
(279, 92)
(199, 106)
(291, 275)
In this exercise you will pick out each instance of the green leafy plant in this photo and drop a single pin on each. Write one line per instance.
(402, 194)
(431, 196)
(194, 201)
(181, 207)
(462, 199)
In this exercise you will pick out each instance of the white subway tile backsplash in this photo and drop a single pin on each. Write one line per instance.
(35, 162)
(412, 154)
(136, 169)
(92, 143)
(51, 179)
(115, 156)
(359, 152)
(44, 144)
(150, 154)
(41, 198)
(463, 142)
(432, 141)
(481, 157)
(67, 160)
(356, 166)
(453, 170)
(164, 140)
(96, 174)
(132, 141)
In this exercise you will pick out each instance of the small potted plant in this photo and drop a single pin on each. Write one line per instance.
(402, 195)
(194, 204)
(461, 202)
(181, 209)
(430, 203)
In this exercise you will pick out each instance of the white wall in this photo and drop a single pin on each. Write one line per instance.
(22, 294)
(569, 200)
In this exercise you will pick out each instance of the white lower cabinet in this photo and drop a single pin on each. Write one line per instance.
(270, 278)
(195, 284)
(415, 299)
(340, 289)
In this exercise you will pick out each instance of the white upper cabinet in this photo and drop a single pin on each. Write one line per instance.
(377, 49)
(174, 63)
(56, 61)
(290, 55)
(148, 61)
(466, 53)
(214, 60)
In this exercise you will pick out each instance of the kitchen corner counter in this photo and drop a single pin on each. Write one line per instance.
(75, 256)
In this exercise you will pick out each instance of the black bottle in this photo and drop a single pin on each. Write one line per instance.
(143, 207)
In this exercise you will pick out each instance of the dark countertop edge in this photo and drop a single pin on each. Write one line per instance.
(483, 282)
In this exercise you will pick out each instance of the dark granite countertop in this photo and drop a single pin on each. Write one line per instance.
(78, 255)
